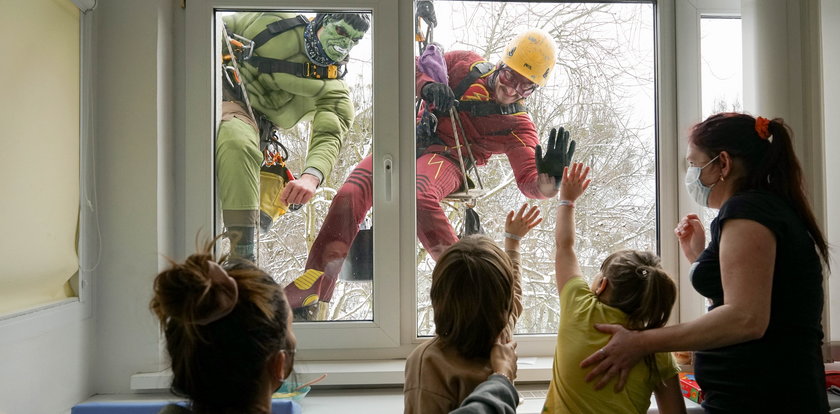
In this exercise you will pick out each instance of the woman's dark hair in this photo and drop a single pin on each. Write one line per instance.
(769, 163)
(472, 295)
(218, 363)
(641, 288)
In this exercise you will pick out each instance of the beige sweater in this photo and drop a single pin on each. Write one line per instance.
(438, 379)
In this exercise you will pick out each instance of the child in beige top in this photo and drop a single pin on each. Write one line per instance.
(476, 297)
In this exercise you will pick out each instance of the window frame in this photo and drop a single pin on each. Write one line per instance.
(392, 334)
(383, 331)
(689, 86)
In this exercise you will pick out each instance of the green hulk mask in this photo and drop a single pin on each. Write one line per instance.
(337, 37)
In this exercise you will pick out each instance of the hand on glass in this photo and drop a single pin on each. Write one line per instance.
(574, 181)
(692, 236)
(548, 185)
(616, 358)
(558, 154)
(521, 222)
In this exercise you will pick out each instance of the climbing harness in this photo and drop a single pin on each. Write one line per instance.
(274, 174)
(271, 65)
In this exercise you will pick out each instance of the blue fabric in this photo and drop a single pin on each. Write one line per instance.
(153, 407)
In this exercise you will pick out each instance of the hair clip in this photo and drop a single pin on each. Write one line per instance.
(762, 127)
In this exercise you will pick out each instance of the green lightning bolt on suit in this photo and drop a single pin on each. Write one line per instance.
(293, 74)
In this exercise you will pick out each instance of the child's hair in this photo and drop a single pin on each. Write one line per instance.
(472, 295)
(769, 161)
(641, 288)
(221, 328)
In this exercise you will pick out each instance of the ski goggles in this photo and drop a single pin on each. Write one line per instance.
(508, 77)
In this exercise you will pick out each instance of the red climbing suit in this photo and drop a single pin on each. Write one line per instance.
(438, 175)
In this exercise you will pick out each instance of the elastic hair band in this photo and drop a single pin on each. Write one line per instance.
(762, 127)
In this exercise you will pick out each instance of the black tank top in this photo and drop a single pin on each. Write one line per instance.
(782, 372)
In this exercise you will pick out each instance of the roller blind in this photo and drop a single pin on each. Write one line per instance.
(39, 152)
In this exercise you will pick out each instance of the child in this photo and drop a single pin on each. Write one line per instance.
(476, 297)
(631, 289)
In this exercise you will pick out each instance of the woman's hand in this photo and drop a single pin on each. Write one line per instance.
(692, 237)
(503, 359)
(574, 181)
(616, 359)
(523, 221)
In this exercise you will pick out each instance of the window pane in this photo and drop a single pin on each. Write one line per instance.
(323, 125)
(602, 91)
(720, 77)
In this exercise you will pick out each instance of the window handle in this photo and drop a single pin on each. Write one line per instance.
(388, 165)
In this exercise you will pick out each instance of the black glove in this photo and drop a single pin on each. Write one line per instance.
(426, 11)
(438, 94)
(557, 156)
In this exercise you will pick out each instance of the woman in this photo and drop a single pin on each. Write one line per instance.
(228, 334)
(761, 272)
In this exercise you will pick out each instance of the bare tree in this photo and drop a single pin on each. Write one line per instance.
(603, 71)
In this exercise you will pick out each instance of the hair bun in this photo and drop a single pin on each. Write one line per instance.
(220, 298)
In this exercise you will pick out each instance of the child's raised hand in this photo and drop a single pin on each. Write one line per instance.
(521, 222)
(574, 181)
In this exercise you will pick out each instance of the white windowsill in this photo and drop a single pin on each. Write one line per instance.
(354, 373)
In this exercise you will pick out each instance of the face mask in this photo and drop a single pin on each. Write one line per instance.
(698, 192)
(337, 38)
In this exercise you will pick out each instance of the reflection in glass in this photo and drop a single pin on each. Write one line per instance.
(304, 81)
(601, 89)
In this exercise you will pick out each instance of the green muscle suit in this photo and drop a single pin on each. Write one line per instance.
(285, 99)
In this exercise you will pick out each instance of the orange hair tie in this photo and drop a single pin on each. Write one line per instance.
(762, 126)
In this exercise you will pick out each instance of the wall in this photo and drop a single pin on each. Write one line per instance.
(136, 182)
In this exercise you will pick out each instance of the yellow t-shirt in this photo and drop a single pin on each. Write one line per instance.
(577, 338)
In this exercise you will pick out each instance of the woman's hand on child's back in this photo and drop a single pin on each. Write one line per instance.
(574, 181)
(615, 360)
(521, 222)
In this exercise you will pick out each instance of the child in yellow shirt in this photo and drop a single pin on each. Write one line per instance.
(631, 289)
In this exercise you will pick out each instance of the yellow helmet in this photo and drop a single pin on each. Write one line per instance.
(532, 55)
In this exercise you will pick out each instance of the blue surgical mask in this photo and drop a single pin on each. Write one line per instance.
(696, 189)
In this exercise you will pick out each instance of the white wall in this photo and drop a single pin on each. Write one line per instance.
(134, 142)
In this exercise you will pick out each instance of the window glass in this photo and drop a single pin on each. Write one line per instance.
(311, 80)
(602, 90)
(721, 81)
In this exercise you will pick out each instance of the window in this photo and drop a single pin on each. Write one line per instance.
(603, 90)
(298, 243)
(709, 80)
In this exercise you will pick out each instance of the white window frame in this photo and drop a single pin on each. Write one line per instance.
(689, 98)
(39, 319)
(392, 333)
(383, 331)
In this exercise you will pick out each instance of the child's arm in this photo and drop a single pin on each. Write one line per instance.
(565, 262)
(516, 227)
(669, 398)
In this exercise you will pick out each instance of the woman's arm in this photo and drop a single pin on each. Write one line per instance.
(747, 259)
(565, 260)
(669, 397)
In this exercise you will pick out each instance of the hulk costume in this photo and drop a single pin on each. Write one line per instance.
(284, 99)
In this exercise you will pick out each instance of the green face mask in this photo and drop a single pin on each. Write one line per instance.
(337, 38)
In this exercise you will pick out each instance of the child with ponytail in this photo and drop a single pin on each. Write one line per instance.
(228, 334)
(631, 289)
